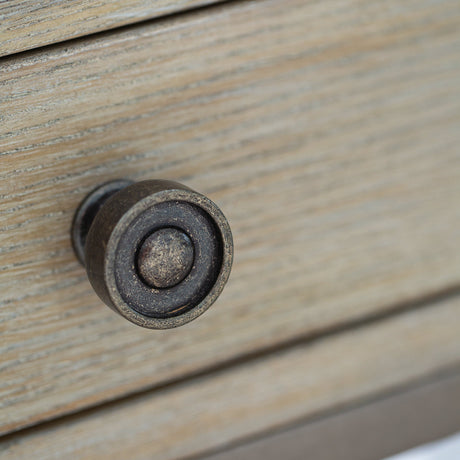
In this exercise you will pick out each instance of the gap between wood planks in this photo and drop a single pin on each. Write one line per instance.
(219, 4)
(373, 427)
(396, 310)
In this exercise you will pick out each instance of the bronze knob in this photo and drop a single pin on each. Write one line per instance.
(156, 252)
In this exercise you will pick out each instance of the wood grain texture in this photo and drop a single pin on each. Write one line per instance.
(27, 24)
(327, 132)
(374, 430)
(207, 413)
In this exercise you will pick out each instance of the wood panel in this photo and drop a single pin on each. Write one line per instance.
(27, 24)
(301, 382)
(326, 131)
(374, 430)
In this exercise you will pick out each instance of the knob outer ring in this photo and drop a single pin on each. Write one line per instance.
(114, 218)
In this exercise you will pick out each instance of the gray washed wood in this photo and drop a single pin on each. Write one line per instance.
(326, 131)
(27, 24)
(299, 383)
(374, 429)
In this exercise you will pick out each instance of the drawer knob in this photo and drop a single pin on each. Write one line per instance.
(155, 251)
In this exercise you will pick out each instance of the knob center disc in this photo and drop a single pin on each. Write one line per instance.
(165, 258)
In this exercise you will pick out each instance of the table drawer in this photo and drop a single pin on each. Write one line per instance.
(329, 139)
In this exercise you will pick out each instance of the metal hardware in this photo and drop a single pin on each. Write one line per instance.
(155, 251)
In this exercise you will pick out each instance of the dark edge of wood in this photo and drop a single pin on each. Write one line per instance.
(218, 4)
(396, 310)
(373, 429)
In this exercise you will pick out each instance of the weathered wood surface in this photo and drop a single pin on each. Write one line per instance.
(373, 430)
(27, 24)
(304, 381)
(326, 131)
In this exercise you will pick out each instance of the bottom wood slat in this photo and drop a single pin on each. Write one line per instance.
(371, 431)
(213, 411)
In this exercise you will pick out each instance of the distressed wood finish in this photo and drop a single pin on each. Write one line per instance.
(302, 382)
(327, 132)
(377, 428)
(27, 24)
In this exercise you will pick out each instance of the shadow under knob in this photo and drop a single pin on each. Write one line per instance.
(155, 251)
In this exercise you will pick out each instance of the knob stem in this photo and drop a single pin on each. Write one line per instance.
(88, 210)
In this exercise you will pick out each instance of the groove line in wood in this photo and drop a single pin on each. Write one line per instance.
(24, 27)
(293, 385)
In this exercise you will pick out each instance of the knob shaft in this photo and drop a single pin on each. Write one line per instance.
(156, 252)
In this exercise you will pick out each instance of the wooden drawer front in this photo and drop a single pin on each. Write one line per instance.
(326, 131)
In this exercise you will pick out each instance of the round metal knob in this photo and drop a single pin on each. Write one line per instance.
(155, 251)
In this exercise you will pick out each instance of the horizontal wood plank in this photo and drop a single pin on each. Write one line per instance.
(374, 430)
(302, 382)
(28, 24)
(326, 131)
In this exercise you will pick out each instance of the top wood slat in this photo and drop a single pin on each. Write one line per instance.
(27, 24)
(326, 131)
